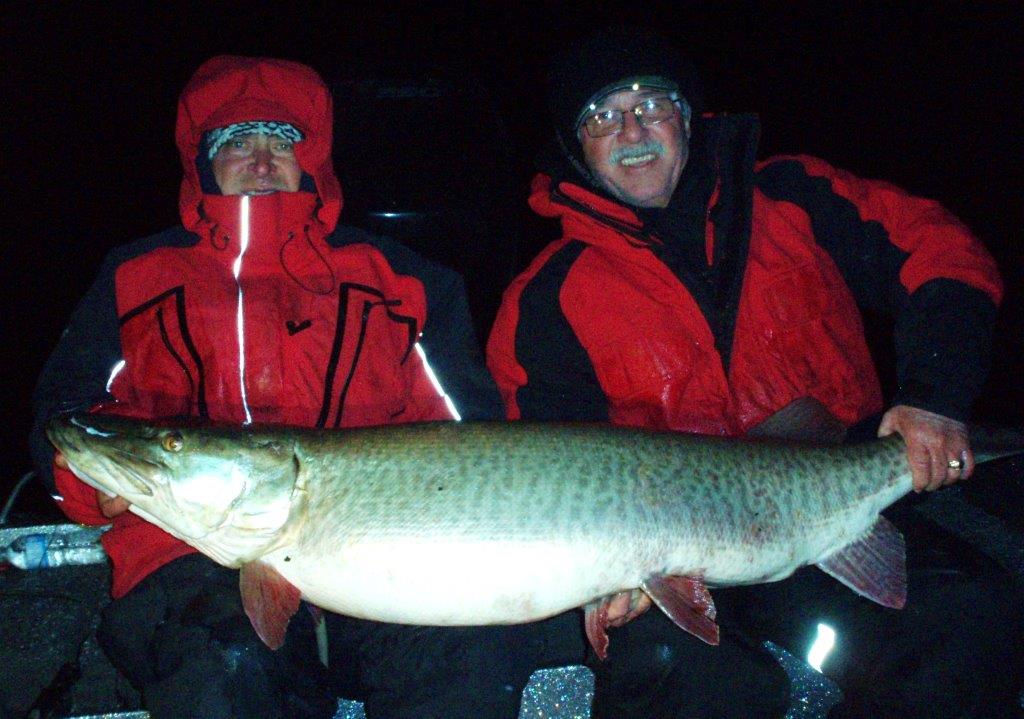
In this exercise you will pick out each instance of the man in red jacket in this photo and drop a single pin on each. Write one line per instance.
(262, 309)
(698, 290)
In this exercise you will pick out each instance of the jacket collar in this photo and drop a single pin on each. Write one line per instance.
(260, 225)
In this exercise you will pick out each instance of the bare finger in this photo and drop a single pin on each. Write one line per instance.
(939, 471)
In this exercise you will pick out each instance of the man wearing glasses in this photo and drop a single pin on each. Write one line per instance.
(696, 289)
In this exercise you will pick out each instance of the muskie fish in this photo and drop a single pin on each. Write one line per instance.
(498, 523)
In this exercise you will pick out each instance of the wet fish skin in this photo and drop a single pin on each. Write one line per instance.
(481, 523)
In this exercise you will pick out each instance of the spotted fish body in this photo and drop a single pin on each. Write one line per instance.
(486, 523)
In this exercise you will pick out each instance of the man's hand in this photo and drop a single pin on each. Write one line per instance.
(937, 447)
(110, 506)
(626, 606)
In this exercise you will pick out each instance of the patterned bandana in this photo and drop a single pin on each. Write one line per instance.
(215, 139)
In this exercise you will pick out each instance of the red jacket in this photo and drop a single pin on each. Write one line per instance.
(259, 310)
(600, 327)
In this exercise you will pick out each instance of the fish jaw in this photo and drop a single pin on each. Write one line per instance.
(231, 502)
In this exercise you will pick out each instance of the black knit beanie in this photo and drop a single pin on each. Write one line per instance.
(609, 61)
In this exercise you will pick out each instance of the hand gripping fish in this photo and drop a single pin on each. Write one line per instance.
(500, 523)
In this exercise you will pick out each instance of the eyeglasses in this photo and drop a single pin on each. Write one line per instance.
(649, 111)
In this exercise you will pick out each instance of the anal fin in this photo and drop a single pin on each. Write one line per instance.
(269, 599)
(687, 602)
(873, 566)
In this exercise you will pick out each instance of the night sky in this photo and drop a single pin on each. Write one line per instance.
(929, 99)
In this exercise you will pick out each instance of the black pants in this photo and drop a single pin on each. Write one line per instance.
(955, 650)
(446, 672)
(184, 641)
(182, 638)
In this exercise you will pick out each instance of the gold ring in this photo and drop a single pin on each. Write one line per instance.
(955, 464)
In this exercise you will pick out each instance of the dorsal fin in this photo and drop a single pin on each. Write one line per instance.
(804, 419)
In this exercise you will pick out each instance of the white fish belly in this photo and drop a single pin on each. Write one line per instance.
(456, 582)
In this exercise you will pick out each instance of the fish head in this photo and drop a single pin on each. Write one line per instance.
(221, 485)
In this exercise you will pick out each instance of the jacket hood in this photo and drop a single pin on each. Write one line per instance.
(227, 89)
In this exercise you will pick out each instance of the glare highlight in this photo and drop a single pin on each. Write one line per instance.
(114, 373)
(437, 384)
(823, 644)
(243, 245)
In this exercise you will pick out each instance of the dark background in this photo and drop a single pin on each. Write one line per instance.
(928, 98)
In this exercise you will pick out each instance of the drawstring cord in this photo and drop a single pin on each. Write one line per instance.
(316, 288)
(290, 256)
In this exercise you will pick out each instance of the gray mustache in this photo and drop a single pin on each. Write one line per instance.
(642, 148)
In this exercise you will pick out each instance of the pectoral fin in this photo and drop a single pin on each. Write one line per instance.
(874, 566)
(269, 599)
(687, 602)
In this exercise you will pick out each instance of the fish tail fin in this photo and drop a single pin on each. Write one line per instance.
(991, 442)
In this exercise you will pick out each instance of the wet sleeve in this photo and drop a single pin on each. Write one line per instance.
(77, 499)
(75, 375)
(541, 367)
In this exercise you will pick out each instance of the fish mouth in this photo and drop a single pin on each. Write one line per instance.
(129, 481)
(110, 473)
(92, 453)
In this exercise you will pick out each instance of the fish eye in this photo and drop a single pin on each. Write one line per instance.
(172, 442)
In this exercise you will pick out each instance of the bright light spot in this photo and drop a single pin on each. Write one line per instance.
(823, 644)
(636, 86)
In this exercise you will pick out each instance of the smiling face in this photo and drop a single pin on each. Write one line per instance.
(639, 165)
(256, 164)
